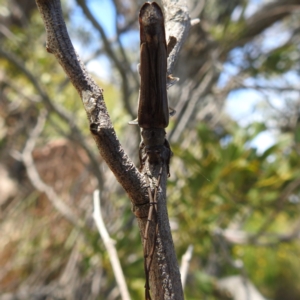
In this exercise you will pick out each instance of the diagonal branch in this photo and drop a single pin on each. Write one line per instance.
(266, 16)
(59, 44)
(279, 206)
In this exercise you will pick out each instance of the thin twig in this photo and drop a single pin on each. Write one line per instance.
(110, 247)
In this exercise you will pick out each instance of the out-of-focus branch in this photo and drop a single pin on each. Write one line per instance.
(110, 247)
(34, 81)
(240, 237)
(185, 263)
(60, 111)
(239, 288)
(16, 89)
(204, 45)
(122, 66)
(279, 206)
(271, 88)
(265, 17)
(226, 254)
(198, 7)
(34, 176)
(203, 88)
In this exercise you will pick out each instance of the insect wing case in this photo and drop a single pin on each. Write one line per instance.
(153, 111)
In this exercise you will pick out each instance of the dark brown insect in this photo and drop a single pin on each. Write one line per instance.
(153, 113)
(153, 110)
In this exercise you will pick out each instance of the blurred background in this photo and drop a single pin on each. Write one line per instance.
(234, 188)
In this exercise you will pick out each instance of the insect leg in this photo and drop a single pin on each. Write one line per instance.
(145, 244)
(148, 257)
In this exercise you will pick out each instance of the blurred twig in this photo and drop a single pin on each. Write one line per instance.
(279, 206)
(110, 247)
(56, 108)
(185, 263)
(35, 178)
(122, 66)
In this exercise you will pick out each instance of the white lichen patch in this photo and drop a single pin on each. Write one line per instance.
(88, 100)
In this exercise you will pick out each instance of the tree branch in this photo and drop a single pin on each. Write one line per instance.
(59, 44)
(178, 24)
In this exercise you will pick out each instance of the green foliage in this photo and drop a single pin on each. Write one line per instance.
(224, 182)
(279, 60)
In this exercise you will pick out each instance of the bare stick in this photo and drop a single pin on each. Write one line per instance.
(110, 247)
